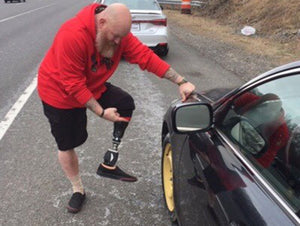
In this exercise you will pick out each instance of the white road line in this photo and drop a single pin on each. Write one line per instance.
(27, 12)
(16, 108)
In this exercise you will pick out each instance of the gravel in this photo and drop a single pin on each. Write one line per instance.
(232, 58)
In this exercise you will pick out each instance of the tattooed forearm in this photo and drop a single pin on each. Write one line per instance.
(94, 106)
(173, 76)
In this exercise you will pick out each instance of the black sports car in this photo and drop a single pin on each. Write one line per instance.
(235, 159)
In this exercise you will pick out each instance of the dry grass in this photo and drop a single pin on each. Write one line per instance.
(269, 16)
(277, 23)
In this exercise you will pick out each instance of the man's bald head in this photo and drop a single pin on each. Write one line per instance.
(112, 24)
(117, 16)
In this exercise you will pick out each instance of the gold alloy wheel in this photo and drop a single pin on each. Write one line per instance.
(168, 177)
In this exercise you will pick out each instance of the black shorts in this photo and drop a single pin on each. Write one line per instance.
(68, 126)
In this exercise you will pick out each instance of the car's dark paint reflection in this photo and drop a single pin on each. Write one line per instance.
(214, 183)
(209, 182)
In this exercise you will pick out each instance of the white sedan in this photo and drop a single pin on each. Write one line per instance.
(149, 24)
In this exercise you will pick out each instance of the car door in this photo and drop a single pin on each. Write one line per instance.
(257, 138)
(209, 182)
(221, 180)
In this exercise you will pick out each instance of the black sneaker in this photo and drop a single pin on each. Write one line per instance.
(116, 173)
(76, 202)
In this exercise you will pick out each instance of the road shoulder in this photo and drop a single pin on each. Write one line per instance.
(235, 53)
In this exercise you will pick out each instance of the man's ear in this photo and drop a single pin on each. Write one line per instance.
(101, 23)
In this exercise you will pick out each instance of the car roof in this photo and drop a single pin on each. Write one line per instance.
(277, 70)
(271, 74)
(138, 5)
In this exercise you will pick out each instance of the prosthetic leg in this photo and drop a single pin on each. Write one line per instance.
(108, 168)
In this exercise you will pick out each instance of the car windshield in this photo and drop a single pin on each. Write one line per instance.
(136, 4)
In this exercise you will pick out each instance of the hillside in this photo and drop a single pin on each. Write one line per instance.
(277, 24)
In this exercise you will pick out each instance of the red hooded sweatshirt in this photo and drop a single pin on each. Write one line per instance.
(72, 73)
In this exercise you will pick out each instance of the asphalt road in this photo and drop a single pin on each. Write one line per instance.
(33, 189)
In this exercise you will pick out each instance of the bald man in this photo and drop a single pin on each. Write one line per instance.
(73, 77)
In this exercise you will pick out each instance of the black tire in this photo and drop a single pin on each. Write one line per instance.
(164, 51)
(167, 179)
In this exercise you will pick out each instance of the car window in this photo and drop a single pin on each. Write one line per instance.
(136, 4)
(265, 124)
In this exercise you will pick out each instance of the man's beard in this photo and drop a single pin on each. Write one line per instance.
(105, 48)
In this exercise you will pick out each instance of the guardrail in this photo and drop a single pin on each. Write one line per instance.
(178, 2)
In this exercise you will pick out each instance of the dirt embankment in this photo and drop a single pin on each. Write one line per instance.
(277, 24)
(278, 19)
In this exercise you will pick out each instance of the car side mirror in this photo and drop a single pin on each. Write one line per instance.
(191, 118)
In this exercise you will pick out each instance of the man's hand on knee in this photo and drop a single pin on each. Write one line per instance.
(111, 114)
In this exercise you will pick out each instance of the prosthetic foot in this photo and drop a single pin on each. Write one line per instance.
(111, 157)
(116, 173)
